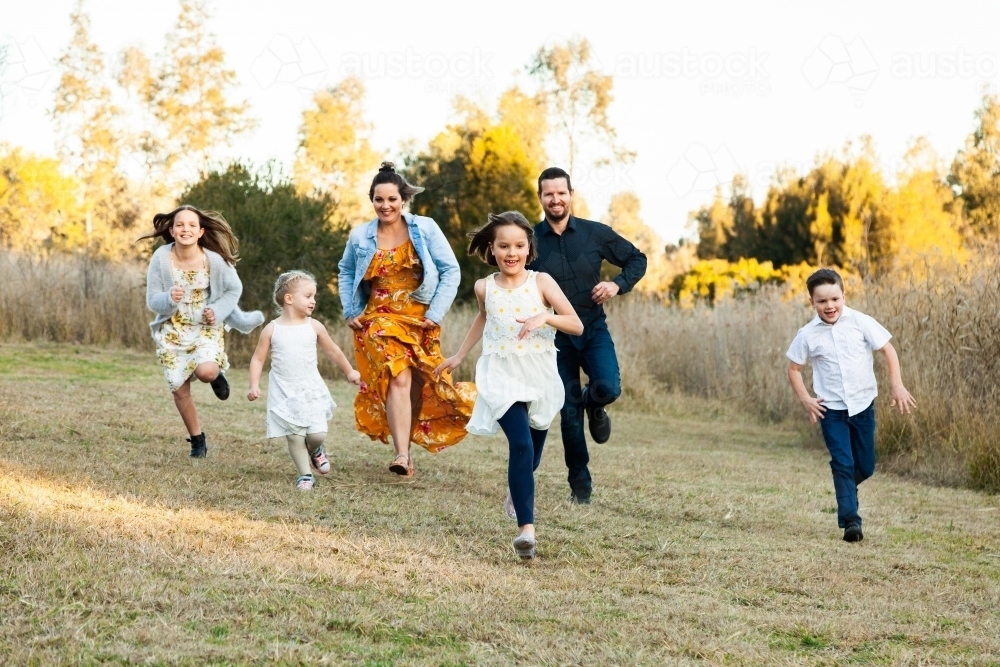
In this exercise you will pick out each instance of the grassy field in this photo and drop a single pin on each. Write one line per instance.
(710, 541)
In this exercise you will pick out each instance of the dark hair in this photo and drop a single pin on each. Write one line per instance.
(387, 174)
(218, 236)
(481, 240)
(823, 277)
(551, 174)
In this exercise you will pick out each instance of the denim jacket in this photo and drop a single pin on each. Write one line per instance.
(441, 270)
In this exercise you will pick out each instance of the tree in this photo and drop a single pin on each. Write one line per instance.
(188, 91)
(335, 154)
(472, 169)
(279, 229)
(624, 217)
(975, 172)
(90, 145)
(38, 207)
(527, 115)
(577, 98)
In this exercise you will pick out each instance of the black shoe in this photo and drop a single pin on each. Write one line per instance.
(599, 423)
(220, 385)
(579, 497)
(199, 448)
(853, 533)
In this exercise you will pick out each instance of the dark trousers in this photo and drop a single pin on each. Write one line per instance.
(851, 441)
(526, 445)
(594, 354)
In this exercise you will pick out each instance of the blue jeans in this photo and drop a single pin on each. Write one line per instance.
(851, 441)
(526, 445)
(594, 354)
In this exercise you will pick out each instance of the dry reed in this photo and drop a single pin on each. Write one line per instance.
(733, 354)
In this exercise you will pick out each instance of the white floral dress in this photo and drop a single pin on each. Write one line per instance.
(184, 341)
(511, 370)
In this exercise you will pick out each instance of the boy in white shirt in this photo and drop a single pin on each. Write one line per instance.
(839, 343)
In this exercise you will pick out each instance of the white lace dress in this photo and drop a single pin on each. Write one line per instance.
(298, 400)
(512, 370)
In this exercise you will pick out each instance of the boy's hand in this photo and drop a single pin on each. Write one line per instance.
(253, 394)
(814, 406)
(354, 377)
(902, 400)
(449, 364)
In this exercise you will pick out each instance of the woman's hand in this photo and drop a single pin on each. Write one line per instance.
(253, 394)
(209, 316)
(354, 377)
(531, 323)
(449, 364)
(354, 323)
(428, 324)
(176, 294)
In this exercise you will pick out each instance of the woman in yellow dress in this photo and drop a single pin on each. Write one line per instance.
(398, 278)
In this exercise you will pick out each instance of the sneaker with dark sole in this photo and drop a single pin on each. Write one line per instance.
(220, 385)
(853, 533)
(599, 423)
(319, 461)
(199, 447)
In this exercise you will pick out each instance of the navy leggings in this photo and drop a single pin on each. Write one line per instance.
(526, 446)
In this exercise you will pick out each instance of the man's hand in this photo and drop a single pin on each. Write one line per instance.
(604, 291)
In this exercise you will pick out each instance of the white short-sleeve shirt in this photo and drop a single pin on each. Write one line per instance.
(841, 356)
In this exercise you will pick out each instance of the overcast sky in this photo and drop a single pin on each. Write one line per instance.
(701, 89)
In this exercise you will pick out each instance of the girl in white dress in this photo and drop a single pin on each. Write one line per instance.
(517, 378)
(299, 404)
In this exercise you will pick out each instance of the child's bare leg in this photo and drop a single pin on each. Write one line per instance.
(185, 406)
(297, 450)
(207, 371)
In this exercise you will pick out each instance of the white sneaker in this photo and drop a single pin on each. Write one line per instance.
(305, 483)
(524, 546)
(508, 507)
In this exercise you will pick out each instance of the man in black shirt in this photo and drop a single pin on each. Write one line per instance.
(571, 250)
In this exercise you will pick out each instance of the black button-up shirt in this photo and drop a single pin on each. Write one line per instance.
(574, 259)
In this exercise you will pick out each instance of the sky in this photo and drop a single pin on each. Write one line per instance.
(701, 90)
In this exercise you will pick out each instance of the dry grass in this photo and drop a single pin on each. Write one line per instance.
(709, 542)
(733, 354)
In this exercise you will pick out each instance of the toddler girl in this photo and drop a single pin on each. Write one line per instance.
(299, 404)
(517, 378)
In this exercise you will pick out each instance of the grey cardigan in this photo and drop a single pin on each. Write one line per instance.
(224, 291)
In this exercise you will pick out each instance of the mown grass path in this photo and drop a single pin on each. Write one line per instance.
(709, 542)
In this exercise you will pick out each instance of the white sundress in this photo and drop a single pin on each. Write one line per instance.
(184, 341)
(298, 400)
(511, 370)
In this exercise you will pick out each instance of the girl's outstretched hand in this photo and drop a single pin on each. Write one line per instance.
(530, 324)
(449, 364)
(176, 294)
(354, 377)
(253, 394)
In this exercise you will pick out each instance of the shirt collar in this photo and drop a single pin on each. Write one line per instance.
(544, 227)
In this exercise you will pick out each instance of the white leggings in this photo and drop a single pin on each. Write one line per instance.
(297, 449)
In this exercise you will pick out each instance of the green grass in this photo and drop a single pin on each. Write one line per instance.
(710, 541)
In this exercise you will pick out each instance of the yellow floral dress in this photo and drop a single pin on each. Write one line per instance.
(184, 341)
(391, 340)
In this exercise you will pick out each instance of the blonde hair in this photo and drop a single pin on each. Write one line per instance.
(218, 235)
(286, 283)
